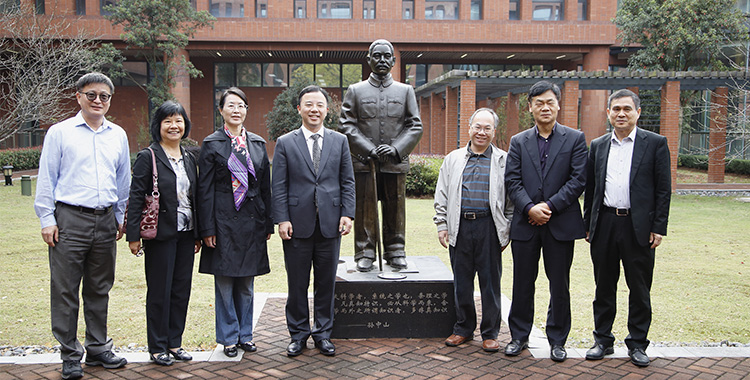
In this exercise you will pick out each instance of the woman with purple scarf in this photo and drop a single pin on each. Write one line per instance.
(234, 211)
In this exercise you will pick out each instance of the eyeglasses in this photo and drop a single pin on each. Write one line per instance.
(232, 107)
(482, 129)
(91, 96)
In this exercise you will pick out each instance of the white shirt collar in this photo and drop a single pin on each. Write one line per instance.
(630, 136)
(307, 133)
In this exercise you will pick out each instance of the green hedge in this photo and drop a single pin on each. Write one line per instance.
(732, 165)
(422, 177)
(21, 158)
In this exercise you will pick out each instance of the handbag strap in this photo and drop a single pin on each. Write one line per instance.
(154, 174)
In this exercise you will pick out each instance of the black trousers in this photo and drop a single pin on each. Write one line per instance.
(558, 257)
(615, 242)
(169, 274)
(300, 255)
(477, 251)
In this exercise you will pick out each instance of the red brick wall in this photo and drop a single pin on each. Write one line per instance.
(451, 119)
(717, 135)
(670, 123)
(468, 106)
(569, 105)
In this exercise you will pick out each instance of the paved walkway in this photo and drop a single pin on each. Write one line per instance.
(399, 359)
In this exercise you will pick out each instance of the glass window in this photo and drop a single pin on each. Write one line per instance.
(102, 4)
(248, 74)
(301, 72)
(407, 9)
(261, 8)
(476, 9)
(368, 9)
(39, 5)
(224, 75)
(137, 74)
(227, 8)
(275, 75)
(351, 74)
(328, 74)
(441, 9)
(300, 8)
(334, 8)
(514, 11)
(80, 7)
(583, 10)
(547, 10)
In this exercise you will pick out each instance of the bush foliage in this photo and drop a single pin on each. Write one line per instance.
(731, 165)
(422, 177)
(21, 158)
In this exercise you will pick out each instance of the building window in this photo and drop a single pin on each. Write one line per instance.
(102, 5)
(334, 8)
(368, 9)
(514, 10)
(10, 6)
(300, 8)
(227, 8)
(275, 75)
(301, 72)
(476, 9)
(261, 8)
(407, 9)
(328, 75)
(248, 74)
(441, 10)
(547, 10)
(583, 10)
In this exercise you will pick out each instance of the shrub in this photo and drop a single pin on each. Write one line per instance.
(422, 177)
(738, 166)
(21, 158)
(732, 165)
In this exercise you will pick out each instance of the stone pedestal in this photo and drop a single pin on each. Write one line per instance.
(418, 306)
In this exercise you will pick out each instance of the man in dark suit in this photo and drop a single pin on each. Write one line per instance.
(313, 204)
(545, 175)
(626, 208)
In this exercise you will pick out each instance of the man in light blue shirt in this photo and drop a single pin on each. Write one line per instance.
(82, 189)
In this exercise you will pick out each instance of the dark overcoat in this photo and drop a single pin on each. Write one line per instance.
(241, 249)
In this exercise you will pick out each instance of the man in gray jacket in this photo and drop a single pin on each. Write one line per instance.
(472, 214)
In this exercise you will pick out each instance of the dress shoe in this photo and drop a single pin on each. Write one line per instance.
(364, 264)
(230, 351)
(490, 345)
(248, 346)
(181, 355)
(638, 357)
(295, 347)
(71, 369)
(161, 358)
(598, 351)
(515, 347)
(557, 353)
(106, 359)
(398, 262)
(326, 347)
(454, 340)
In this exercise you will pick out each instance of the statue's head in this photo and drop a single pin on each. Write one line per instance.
(380, 57)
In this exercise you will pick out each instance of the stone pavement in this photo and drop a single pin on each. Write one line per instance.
(400, 359)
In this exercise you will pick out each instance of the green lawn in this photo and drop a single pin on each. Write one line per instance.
(701, 288)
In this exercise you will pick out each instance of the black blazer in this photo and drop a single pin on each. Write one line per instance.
(650, 184)
(561, 183)
(142, 185)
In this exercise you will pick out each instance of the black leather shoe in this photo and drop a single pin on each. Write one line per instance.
(106, 359)
(638, 357)
(162, 358)
(230, 351)
(598, 351)
(515, 347)
(248, 346)
(181, 355)
(326, 347)
(364, 264)
(295, 347)
(398, 262)
(557, 353)
(71, 369)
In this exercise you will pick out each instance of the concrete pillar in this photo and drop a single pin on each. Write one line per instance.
(511, 116)
(451, 119)
(467, 105)
(437, 122)
(181, 89)
(717, 135)
(569, 108)
(670, 123)
(593, 121)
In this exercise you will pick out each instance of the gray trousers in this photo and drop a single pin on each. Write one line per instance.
(85, 251)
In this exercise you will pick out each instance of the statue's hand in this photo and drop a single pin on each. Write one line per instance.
(374, 154)
(384, 151)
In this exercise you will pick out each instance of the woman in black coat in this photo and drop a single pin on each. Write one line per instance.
(235, 220)
(171, 254)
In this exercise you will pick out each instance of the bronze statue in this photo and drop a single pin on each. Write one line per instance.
(381, 119)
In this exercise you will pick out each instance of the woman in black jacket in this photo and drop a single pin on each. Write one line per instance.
(235, 220)
(171, 254)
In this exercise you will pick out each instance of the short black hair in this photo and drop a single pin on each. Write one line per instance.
(169, 108)
(312, 88)
(543, 86)
(94, 77)
(624, 93)
(232, 91)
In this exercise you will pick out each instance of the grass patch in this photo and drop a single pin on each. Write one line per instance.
(701, 288)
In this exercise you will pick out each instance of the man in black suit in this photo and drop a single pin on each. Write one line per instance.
(313, 204)
(545, 175)
(626, 207)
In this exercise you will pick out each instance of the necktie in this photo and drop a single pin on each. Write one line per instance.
(316, 152)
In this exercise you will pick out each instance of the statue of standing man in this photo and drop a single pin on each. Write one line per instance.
(381, 119)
